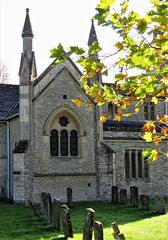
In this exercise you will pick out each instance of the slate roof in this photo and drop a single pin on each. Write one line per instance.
(9, 101)
(127, 126)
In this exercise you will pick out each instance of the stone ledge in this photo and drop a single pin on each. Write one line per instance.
(62, 174)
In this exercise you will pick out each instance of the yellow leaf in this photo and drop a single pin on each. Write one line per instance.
(147, 136)
(84, 78)
(88, 107)
(154, 155)
(136, 110)
(155, 100)
(165, 81)
(91, 73)
(117, 117)
(166, 154)
(77, 101)
(159, 37)
(103, 118)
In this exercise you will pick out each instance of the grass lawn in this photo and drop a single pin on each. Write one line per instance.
(18, 222)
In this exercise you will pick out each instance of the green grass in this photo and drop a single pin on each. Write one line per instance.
(18, 222)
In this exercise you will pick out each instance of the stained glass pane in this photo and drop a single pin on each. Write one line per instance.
(54, 143)
(64, 143)
(73, 143)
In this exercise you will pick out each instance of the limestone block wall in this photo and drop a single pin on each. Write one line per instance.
(156, 184)
(52, 102)
(14, 137)
(3, 159)
(83, 187)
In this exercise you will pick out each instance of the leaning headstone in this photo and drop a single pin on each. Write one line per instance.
(56, 214)
(134, 196)
(98, 231)
(66, 221)
(88, 226)
(49, 204)
(160, 205)
(117, 234)
(45, 206)
(144, 202)
(69, 197)
(123, 196)
(114, 194)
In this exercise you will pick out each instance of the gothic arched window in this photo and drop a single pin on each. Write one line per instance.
(149, 111)
(54, 143)
(73, 143)
(64, 143)
(112, 110)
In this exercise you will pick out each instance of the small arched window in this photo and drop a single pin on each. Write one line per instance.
(64, 143)
(54, 143)
(146, 112)
(152, 115)
(73, 143)
(112, 110)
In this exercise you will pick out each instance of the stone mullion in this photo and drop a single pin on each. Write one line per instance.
(130, 164)
(136, 162)
(59, 144)
(69, 145)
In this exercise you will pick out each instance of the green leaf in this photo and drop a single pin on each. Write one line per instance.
(154, 1)
(94, 48)
(146, 152)
(76, 50)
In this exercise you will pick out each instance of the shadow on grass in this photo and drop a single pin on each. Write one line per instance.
(19, 222)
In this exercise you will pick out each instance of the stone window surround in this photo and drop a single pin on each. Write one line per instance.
(78, 125)
(59, 143)
(136, 149)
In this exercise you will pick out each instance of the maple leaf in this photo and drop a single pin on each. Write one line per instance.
(103, 118)
(147, 136)
(88, 107)
(164, 131)
(149, 127)
(156, 139)
(166, 154)
(117, 117)
(77, 101)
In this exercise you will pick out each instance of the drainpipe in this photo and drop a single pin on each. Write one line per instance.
(8, 159)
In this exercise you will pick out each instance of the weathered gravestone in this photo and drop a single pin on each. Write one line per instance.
(144, 202)
(159, 205)
(56, 214)
(42, 202)
(66, 221)
(117, 234)
(98, 231)
(49, 205)
(114, 191)
(45, 206)
(134, 196)
(69, 197)
(123, 196)
(88, 226)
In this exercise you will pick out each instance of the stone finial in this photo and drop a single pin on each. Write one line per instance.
(27, 29)
(92, 35)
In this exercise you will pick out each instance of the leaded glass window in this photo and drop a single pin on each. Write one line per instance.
(64, 143)
(73, 143)
(54, 143)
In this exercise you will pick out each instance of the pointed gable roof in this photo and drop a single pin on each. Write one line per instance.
(92, 35)
(27, 29)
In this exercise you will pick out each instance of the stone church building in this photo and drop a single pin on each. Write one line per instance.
(47, 144)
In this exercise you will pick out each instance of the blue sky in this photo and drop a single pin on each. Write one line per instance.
(67, 22)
